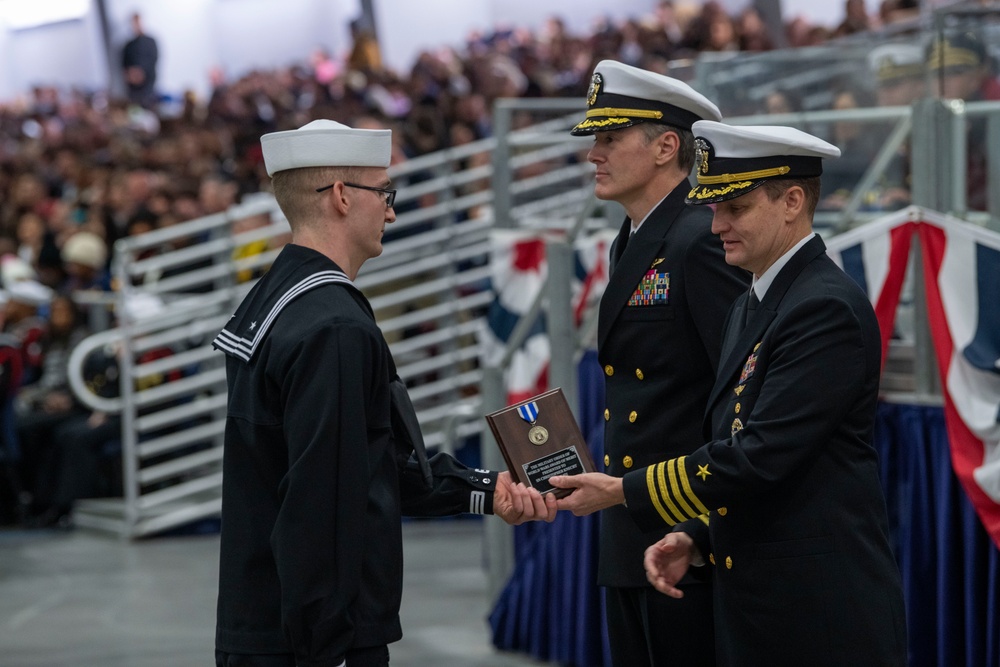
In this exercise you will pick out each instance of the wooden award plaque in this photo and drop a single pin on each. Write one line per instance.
(539, 438)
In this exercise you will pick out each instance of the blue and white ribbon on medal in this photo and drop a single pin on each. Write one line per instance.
(538, 435)
(528, 412)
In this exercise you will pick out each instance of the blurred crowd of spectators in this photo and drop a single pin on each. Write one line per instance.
(83, 162)
(82, 169)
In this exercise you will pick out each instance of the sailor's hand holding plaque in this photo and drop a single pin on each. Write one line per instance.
(539, 438)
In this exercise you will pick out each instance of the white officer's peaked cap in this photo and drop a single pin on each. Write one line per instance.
(891, 62)
(621, 96)
(733, 160)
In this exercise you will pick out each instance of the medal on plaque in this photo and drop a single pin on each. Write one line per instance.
(538, 435)
(558, 448)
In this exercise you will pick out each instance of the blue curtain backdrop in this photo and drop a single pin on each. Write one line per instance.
(950, 567)
(552, 610)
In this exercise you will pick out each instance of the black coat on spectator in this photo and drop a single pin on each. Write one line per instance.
(142, 52)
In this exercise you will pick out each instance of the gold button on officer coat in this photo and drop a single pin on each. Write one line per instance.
(607, 414)
(607, 460)
(627, 461)
(632, 416)
(711, 558)
(723, 511)
(638, 373)
(729, 562)
(609, 370)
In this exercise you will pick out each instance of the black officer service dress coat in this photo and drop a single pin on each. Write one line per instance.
(798, 534)
(660, 328)
(314, 479)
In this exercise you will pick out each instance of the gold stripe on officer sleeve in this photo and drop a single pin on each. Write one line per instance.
(654, 496)
(703, 518)
(672, 472)
(666, 491)
(686, 484)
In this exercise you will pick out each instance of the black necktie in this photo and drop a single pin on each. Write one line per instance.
(752, 303)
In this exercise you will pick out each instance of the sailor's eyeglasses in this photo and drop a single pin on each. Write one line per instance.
(389, 195)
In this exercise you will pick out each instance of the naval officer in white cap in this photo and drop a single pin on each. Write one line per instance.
(899, 73)
(322, 448)
(659, 335)
(797, 534)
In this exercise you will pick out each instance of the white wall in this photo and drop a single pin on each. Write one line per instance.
(237, 35)
(193, 36)
(28, 56)
(407, 27)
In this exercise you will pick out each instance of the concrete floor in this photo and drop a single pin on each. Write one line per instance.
(88, 600)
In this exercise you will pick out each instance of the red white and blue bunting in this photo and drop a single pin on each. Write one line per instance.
(961, 269)
(518, 272)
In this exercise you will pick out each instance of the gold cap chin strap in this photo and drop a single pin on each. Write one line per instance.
(745, 176)
(635, 113)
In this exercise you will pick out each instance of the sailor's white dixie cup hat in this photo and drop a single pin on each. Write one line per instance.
(326, 143)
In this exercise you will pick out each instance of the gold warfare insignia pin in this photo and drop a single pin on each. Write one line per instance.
(701, 156)
(595, 87)
(656, 262)
(737, 427)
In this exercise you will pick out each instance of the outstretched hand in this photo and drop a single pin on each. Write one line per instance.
(592, 491)
(667, 561)
(517, 503)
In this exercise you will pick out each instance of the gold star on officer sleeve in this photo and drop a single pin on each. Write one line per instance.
(670, 491)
